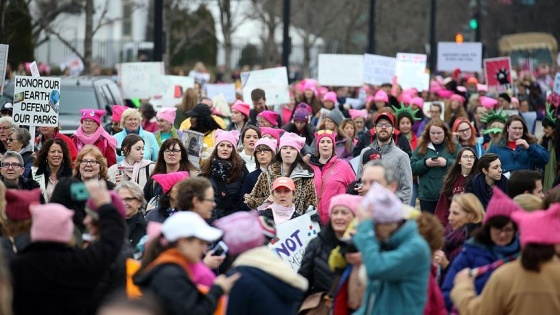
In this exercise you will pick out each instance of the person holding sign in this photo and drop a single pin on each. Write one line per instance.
(90, 132)
(133, 166)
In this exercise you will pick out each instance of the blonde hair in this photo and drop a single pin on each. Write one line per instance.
(93, 150)
(471, 205)
(130, 112)
(529, 202)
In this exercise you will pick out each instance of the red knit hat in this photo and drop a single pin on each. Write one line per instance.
(167, 181)
(540, 227)
(18, 202)
(500, 205)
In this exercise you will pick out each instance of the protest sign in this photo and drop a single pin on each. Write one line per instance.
(136, 78)
(410, 71)
(428, 105)
(169, 89)
(3, 63)
(36, 101)
(227, 90)
(465, 56)
(194, 143)
(498, 73)
(293, 237)
(556, 87)
(34, 69)
(378, 69)
(273, 81)
(74, 65)
(341, 70)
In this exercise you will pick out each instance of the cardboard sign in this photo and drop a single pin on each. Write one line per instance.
(227, 90)
(341, 70)
(498, 73)
(3, 63)
(34, 69)
(194, 143)
(273, 81)
(293, 237)
(136, 78)
(465, 56)
(410, 71)
(556, 87)
(36, 101)
(378, 69)
(168, 89)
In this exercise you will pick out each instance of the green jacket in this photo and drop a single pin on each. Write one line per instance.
(174, 134)
(430, 179)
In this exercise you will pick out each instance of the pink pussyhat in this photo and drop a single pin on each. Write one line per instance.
(242, 107)
(293, 140)
(444, 93)
(356, 113)
(500, 205)
(270, 116)
(93, 114)
(117, 112)
(351, 202)
(482, 87)
(242, 231)
(381, 96)
(540, 226)
(298, 87)
(271, 144)
(168, 180)
(330, 96)
(488, 102)
(168, 114)
(418, 101)
(457, 97)
(51, 223)
(405, 98)
(515, 100)
(272, 132)
(320, 134)
(228, 136)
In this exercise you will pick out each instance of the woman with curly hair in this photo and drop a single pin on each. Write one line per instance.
(52, 163)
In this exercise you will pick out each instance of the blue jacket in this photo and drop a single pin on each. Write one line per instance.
(397, 270)
(520, 159)
(248, 183)
(151, 147)
(472, 255)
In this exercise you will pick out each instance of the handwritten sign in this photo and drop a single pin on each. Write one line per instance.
(136, 78)
(378, 69)
(410, 71)
(273, 81)
(293, 237)
(227, 90)
(341, 70)
(465, 56)
(36, 101)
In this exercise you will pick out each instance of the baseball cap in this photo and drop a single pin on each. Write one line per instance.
(199, 110)
(186, 224)
(370, 155)
(284, 182)
(8, 106)
(387, 116)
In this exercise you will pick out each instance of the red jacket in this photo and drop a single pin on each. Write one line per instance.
(434, 304)
(104, 147)
(39, 140)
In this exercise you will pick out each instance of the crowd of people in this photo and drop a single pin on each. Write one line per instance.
(441, 210)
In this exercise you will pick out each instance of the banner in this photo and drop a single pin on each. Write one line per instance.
(227, 90)
(466, 56)
(378, 69)
(36, 101)
(168, 89)
(341, 70)
(410, 71)
(136, 78)
(498, 73)
(273, 81)
(194, 143)
(293, 237)
(3, 63)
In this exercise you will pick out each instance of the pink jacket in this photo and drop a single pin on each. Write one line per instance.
(332, 180)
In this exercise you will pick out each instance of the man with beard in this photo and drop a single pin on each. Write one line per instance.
(391, 154)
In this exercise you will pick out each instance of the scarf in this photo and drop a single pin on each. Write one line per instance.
(282, 214)
(220, 168)
(135, 168)
(504, 251)
(454, 240)
(93, 138)
(483, 191)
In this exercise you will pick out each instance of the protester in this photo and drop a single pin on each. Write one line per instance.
(201, 120)
(19, 140)
(130, 122)
(282, 207)
(196, 195)
(165, 204)
(466, 135)
(133, 166)
(264, 153)
(359, 117)
(188, 102)
(455, 109)
(490, 175)
(46, 133)
(6, 125)
(114, 126)
(165, 129)
(149, 122)
(258, 97)
(90, 132)
(249, 136)
(240, 112)
(53, 163)
(90, 164)
(405, 120)
(529, 202)
(525, 182)
(300, 123)
(5, 287)
(344, 145)
(12, 171)
(268, 118)
(134, 203)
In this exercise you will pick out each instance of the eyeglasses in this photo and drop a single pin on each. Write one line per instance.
(383, 125)
(172, 151)
(129, 199)
(329, 132)
(11, 139)
(90, 162)
(88, 121)
(468, 157)
(12, 165)
(463, 130)
(506, 230)
(209, 199)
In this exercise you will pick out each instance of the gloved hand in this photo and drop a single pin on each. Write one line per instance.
(315, 217)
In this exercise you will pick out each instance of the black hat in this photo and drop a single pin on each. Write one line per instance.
(8, 106)
(506, 97)
(370, 155)
(200, 110)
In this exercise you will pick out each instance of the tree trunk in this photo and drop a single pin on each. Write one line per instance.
(3, 5)
(227, 51)
(88, 38)
(306, 55)
(227, 25)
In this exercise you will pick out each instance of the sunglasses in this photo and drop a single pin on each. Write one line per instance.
(329, 132)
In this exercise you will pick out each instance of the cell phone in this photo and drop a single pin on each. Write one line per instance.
(220, 249)
(434, 158)
(79, 192)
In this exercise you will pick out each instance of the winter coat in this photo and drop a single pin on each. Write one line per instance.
(444, 201)
(267, 285)
(430, 179)
(10, 247)
(482, 190)
(520, 159)
(40, 140)
(472, 255)
(435, 304)
(303, 180)
(397, 157)
(151, 147)
(368, 137)
(308, 133)
(512, 290)
(62, 279)
(330, 180)
(248, 184)
(227, 195)
(103, 145)
(136, 228)
(27, 184)
(28, 159)
(315, 264)
(397, 270)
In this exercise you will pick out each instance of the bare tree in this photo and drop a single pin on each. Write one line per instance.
(228, 28)
(266, 11)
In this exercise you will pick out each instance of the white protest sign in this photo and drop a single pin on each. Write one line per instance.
(74, 65)
(293, 237)
(556, 87)
(36, 101)
(169, 89)
(341, 70)
(136, 78)
(410, 71)
(3, 63)
(227, 90)
(378, 69)
(34, 69)
(465, 56)
(273, 81)
(194, 143)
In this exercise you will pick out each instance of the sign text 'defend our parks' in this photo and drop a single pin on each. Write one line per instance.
(36, 101)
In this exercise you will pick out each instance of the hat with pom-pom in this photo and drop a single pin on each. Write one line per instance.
(167, 181)
(228, 136)
(500, 205)
(93, 114)
(51, 222)
(539, 227)
(383, 205)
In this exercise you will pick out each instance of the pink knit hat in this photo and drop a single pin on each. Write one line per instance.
(298, 86)
(381, 96)
(51, 222)
(488, 102)
(351, 202)
(269, 116)
(330, 96)
(310, 85)
(167, 181)
(168, 114)
(116, 201)
(500, 205)
(482, 87)
(117, 112)
(418, 101)
(405, 98)
(444, 93)
(435, 86)
(293, 140)
(93, 114)
(18, 202)
(515, 100)
(242, 231)
(272, 132)
(242, 107)
(369, 99)
(229, 136)
(539, 227)
(457, 97)
(356, 113)
(384, 206)
(320, 134)
(267, 142)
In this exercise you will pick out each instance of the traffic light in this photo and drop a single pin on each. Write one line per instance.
(473, 23)
(459, 38)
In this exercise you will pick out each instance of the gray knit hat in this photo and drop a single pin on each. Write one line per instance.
(336, 115)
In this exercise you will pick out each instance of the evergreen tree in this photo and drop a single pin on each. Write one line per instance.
(17, 33)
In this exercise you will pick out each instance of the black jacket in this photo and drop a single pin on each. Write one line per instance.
(227, 195)
(136, 228)
(368, 137)
(11, 248)
(308, 133)
(53, 278)
(176, 291)
(315, 263)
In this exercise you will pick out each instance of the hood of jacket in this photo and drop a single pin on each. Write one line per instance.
(27, 148)
(264, 259)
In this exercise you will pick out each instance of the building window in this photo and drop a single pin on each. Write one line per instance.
(127, 18)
